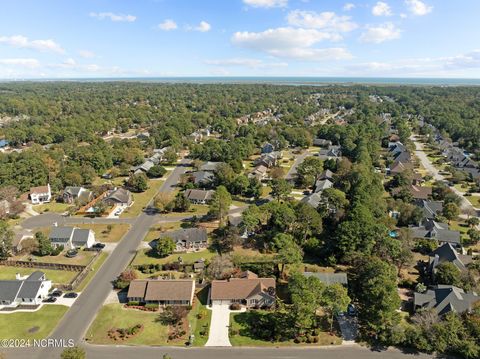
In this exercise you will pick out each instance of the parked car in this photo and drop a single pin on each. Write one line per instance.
(351, 310)
(56, 293)
(71, 253)
(50, 300)
(70, 295)
(99, 245)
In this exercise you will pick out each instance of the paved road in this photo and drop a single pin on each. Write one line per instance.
(76, 321)
(292, 172)
(338, 352)
(421, 155)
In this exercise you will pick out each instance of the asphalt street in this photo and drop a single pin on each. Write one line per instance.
(76, 321)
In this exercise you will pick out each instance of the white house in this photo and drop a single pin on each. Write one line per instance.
(24, 291)
(70, 237)
(41, 194)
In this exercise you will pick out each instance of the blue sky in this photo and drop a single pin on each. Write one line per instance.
(134, 38)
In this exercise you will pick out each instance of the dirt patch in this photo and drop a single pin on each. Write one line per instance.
(33, 330)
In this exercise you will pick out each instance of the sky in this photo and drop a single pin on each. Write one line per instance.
(170, 38)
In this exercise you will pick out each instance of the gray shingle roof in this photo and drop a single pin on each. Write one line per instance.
(80, 236)
(61, 233)
(9, 289)
(446, 253)
(445, 298)
(187, 235)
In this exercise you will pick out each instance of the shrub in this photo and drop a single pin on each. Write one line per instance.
(154, 306)
(133, 303)
(235, 306)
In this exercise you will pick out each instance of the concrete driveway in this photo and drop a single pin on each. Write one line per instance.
(348, 327)
(218, 336)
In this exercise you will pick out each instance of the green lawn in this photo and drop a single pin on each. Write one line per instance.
(461, 227)
(82, 258)
(56, 276)
(474, 200)
(142, 199)
(56, 207)
(199, 317)
(103, 234)
(240, 323)
(188, 258)
(34, 325)
(195, 209)
(94, 269)
(154, 232)
(116, 316)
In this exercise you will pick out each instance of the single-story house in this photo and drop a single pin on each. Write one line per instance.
(329, 278)
(163, 292)
(259, 172)
(119, 196)
(268, 159)
(313, 199)
(24, 291)
(430, 208)
(80, 194)
(210, 166)
(71, 237)
(417, 192)
(444, 299)
(321, 142)
(326, 175)
(332, 152)
(322, 185)
(188, 239)
(203, 178)
(41, 194)
(447, 254)
(199, 196)
(437, 231)
(250, 291)
(400, 167)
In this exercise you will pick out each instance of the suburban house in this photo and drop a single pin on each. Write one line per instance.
(268, 148)
(332, 152)
(163, 292)
(143, 168)
(72, 194)
(400, 167)
(447, 254)
(259, 172)
(329, 278)
(24, 291)
(119, 196)
(203, 178)
(321, 142)
(326, 175)
(41, 194)
(155, 159)
(199, 196)
(250, 291)
(322, 185)
(313, 199)
(210, 166)
(444, 299)
(188, 239)
(71, 237)
(417, 192)
(436, 231)
(268, 159)
(430, 208)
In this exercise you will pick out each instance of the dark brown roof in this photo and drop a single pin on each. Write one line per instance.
(420, 192)
(240, 288)
(159, 289)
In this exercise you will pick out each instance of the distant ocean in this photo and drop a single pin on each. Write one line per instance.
(293, 81)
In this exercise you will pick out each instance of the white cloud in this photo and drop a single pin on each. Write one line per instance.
(266, 3)
(382, 9)
(288, 42)
(380, 33)
(203, 27)
(464, 61)
(418, 7)
(23, 42)
(86, 54)
(29, 63)
(168, 25)
(348, 6)
(324, 20)
(113, 17)
(245, 62)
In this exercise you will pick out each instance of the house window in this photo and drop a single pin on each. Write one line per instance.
(253, 301)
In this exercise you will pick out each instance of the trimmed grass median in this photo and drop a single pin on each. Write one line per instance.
(31, 325)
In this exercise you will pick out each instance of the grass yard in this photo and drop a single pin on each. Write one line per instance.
(199, 318)
(116, 316)
(94, 269)
(240, 325)
(82, 258)
(143, 257)
(56, 276)
(33, 325)
(103, 234)
(55, 207)
(241, 254)
(195, 209)
(461, 227)
(142, 199)
(154, 232)
(117, 181)
(474, 200)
